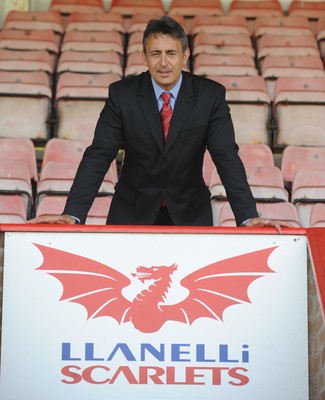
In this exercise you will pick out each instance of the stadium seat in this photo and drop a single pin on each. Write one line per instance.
(298, 111)
(25, 104)
(63, 150)
(15, 179)
(78, 103)
(34, 20)
(249, 105)
(130, 7)
(256, 155)
(224, 24)
(95, 22)
(317, 216)
(57, 177)
(90, 62)
(191, 8)
(22, 151)
(54, 205)
(313, 10)
(308, 188)
(32, 60)
(286, 45)
(283, 211)
(226, 44)
(13, 39)
(93, 41)
(285, 25)
(230, 65)
(12, 209)
(266, 184)
(295, 158)
(70, 6)
(251, 10)
(273, 67)
(134, 64)
(134, 42)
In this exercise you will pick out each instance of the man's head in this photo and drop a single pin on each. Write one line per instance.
(165, 50)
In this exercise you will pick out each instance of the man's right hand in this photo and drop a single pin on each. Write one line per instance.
(53, 219)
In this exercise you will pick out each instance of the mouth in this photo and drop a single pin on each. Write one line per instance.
(164, 73)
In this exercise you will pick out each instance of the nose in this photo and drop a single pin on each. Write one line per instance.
(163, 59)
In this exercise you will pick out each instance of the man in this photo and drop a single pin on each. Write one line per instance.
(161, 180)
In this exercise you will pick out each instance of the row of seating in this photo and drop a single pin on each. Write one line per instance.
(299, 183)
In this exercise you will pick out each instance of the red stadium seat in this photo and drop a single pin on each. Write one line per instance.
(12, 209)
(130, 7)
(191, 8)
(283, 211)
(22, 151)
(93, 41)
(308, 188)
(54, 205)
(295, 158)
(250, 107)
(229, 65)
(298, 111)
(90, 62)
(79, 101)
(70, 6)
(317, 216)
(226, 44)
(224, 24)
(95, 22)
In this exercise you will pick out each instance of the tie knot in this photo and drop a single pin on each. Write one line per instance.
(166, 97)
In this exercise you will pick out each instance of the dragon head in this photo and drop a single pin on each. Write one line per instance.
(154, 273)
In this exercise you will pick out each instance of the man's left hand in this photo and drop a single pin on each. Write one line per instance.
(260, 222)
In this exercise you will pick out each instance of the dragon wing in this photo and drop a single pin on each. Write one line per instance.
(217, 286)
(91, 284)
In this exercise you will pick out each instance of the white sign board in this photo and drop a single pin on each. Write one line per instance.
(140, 316)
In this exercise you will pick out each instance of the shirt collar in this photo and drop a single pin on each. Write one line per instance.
(174, 91)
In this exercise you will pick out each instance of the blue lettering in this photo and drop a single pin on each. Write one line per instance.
(223, 348)
(158, 354)
(89, 353)
(125, 350)
(200, 354)
(66, 353)
(176, 352)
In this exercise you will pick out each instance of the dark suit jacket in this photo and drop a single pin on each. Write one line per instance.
(152, 170)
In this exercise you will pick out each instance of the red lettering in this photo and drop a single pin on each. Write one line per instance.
(67, 371)
(127, 373)
(243, 379)
(144, 375)
(191, 375)
(87, 374)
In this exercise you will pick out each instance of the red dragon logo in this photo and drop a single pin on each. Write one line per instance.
(98, 288)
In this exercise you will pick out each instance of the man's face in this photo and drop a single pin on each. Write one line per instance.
(165, 59)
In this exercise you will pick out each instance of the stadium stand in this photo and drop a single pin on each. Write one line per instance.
(284, 211)
(317, 216)
(69, 45)
(308, 188)
(298, 111)
(250, 107)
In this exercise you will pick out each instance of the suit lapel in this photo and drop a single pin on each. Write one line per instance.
(183, 106)
(148, 104)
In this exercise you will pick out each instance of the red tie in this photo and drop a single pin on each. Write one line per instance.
(166, 113)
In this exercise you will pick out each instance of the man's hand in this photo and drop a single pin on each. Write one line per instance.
(53, 219)
(260, 222)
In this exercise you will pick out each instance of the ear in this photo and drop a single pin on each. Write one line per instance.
(186, 56)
